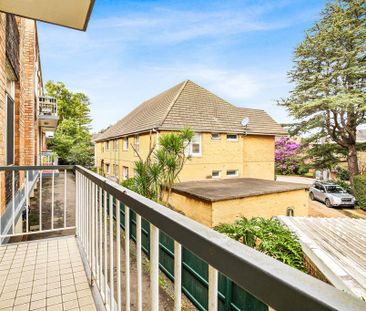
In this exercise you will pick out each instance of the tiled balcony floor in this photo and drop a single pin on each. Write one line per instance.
(43, 275)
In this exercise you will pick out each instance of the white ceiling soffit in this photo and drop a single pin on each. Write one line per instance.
(69, 13)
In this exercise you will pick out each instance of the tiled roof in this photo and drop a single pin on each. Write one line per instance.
(190, 105)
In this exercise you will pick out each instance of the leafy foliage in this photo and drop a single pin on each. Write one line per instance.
(72, 140)
(157, 174)
(287, 156)
(329, 98)
(360, 190)
(267, 236)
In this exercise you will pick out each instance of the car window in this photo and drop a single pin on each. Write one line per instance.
(335, 189)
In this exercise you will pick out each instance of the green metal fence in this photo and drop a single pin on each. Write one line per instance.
(194, 273)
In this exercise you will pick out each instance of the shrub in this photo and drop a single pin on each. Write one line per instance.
(268, 236)
(342, 173)
(360, 190)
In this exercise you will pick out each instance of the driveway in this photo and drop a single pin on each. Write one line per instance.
(296, 179)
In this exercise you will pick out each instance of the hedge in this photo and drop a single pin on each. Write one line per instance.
(360, 190)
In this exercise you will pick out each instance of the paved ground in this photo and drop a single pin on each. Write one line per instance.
(296, 179)
(44, 274)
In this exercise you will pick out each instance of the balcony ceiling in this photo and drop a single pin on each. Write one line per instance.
(69, 13)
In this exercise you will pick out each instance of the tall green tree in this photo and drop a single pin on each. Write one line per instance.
(72, 140)
(329, 75)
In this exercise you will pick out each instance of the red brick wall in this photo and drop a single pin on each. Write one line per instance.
(26, 126)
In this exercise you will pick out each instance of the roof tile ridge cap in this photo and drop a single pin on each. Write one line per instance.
(174, 101)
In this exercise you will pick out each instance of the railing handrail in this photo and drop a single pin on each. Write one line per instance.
(36, 167)
(276, 284)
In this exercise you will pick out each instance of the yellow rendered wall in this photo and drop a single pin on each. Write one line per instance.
(266, 206)
(258, 157)
(195, 209)
(252, 156)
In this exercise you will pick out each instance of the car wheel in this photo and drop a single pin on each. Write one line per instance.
(327, 203)
(311, 195)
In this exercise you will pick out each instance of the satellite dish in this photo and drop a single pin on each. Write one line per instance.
(245, 122)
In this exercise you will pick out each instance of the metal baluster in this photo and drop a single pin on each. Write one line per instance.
(138, 262)
(92, 233)
(53, 198)
(100, 239)
(105, 248)
(127, 254)
(77, 204)
(111, 281)
(27, 200)
(96, 230)
(40, 200)
(212, 288)
(118, 233)
(13, 200)
(154, 269)
(177, 276)
(65, 197)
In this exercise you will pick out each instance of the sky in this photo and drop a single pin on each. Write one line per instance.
(134, 50)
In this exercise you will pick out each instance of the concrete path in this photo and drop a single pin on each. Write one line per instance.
(296, 179)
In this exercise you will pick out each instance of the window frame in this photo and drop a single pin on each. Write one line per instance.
(136, 143)
(216, 139)
(216, 177)
(232, 139)
(196, 154)
(235, 170)
(126, 176)
(125, 144)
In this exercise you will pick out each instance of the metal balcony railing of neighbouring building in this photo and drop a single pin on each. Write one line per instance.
(102, 210)
(47, 106)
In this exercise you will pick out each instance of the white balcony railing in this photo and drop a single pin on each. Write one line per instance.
(103, 211)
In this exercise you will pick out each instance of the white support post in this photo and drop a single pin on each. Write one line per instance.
(77, 206)
(100, 239)
(127, 259)
(105, 248)
(65, 197)
(139, 262)
(13, 199)
(111, 279)
(177, 276)
(212, 289)
(154, 267)
(92, 233)
(53, 199)
(40, 200)
(27, 201)
(118, 233)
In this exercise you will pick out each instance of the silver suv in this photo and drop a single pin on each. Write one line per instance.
(331, 194)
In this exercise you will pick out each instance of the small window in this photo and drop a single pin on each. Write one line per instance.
(216, 174)
(107, 168)
(115, 170)
(102, 147)
(107, 145)
(232, 137)
(290, 212)
(232, 172)
(137, 143)
(196, 145)
(125, 172)
(115, 145)
(125, 143)
(215, 136)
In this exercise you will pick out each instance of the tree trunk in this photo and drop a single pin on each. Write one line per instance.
(352, 163)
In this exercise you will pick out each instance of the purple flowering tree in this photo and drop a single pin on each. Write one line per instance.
(287, 156)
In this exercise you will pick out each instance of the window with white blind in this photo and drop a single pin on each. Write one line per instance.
(196, 145)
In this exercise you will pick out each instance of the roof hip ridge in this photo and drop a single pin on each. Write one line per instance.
(174, 101)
